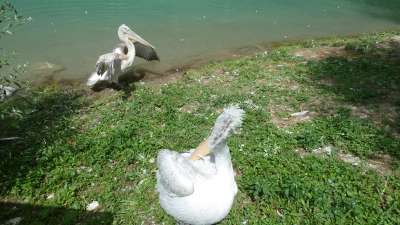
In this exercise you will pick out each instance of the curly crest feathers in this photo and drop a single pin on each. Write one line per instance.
(226, 123)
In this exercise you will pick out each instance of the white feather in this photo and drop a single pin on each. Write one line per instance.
(200, 192)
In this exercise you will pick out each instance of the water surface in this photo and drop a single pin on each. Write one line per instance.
(73, 33)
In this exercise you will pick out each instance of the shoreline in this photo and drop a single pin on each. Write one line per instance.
(318, 114)
(165, 73)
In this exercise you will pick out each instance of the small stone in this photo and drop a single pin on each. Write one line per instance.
(279, 213)
(300, 114)
(50, 196)
(327, 150)
(141, 182)
(348, 158)
(93, 206)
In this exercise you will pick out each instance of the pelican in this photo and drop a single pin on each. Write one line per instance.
(111, 66)
(198, 187)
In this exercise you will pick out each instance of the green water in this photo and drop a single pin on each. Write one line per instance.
(73, 33)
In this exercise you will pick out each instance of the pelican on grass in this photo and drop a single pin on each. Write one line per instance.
(198, 187)
(111, 66)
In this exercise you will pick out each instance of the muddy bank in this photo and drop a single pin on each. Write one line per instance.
(47, 73)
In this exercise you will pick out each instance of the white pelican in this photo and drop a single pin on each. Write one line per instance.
(199, 187)
(111, 66)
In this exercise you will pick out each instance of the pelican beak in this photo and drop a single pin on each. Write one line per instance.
(133, 37)
(201, 151)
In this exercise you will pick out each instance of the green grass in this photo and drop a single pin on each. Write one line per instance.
(83, 149)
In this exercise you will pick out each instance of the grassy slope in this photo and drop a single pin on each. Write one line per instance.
(82, 150)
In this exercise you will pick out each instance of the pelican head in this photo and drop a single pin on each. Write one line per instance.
(124, 32)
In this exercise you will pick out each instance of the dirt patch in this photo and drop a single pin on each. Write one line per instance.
(286, 84)
(277, 118)
(323, 151)
(284, 116)
(320, 53)
(383, 115)
(381, 163)
(190, 107)
(388, 48)
(391, 43)
(164, 79)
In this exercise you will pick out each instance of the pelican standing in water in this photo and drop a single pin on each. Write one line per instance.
(111, 66)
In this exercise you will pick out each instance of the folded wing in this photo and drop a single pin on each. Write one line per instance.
(174, 174)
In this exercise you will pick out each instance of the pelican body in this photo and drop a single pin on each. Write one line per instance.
(200, 189)
(111, 66)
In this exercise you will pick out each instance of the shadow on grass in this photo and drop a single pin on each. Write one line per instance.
(368, 82)
(32, 214)
(126, 82)
(42, 122)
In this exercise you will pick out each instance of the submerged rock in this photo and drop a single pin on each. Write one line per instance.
(46, 69)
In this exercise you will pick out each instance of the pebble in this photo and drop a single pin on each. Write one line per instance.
(300, 114)
(93, 206)
(327, 150)
(50, 196)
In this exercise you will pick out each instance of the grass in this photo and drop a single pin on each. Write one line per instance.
(79, 149)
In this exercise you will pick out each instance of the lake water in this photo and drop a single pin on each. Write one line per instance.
(73, 33)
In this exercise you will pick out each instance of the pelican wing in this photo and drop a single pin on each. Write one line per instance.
(174, 176)
(146, 52)
(106, 62)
